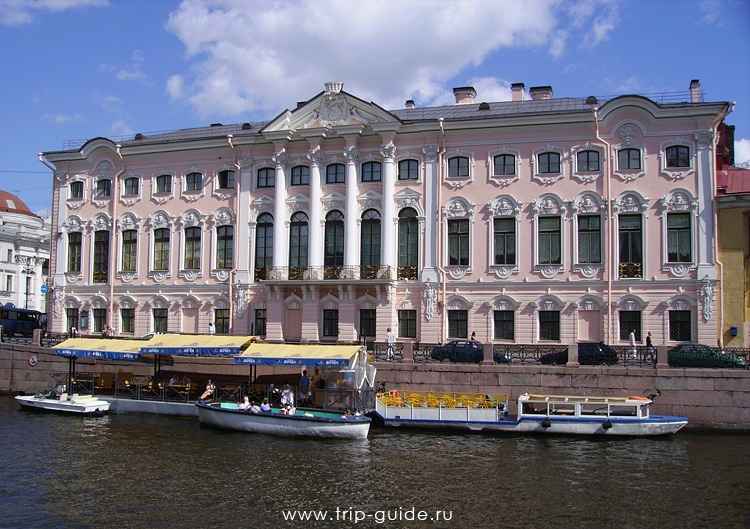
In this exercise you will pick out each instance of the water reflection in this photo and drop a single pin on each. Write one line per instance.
(148, 471)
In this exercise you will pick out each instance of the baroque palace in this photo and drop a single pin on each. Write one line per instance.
(535, 220)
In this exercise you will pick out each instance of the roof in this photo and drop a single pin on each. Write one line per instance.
(100, 348)
(12, 204)
(298, 355)
(732, 181)
(199, 344)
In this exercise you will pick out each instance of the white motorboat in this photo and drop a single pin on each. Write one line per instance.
(537, 414)
(303, 423)
(74, 404)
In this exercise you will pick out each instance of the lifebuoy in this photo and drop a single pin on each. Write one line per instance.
(638, 398)
(394, 393)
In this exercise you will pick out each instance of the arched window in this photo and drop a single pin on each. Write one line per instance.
(335, 173)
(298, 240)
(370, 249)
(408, 244)
(334, 244)
(549, 162)
(505, 164)
(588, 161)
(628, 159)
(193, 182)
(408, 170)
(263, 245)
(131, 186)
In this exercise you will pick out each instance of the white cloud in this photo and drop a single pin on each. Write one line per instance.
(742, 152)
(386, 51)
(60, 118)
(21, 12)
(120, 128)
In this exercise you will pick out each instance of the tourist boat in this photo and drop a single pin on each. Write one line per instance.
(303, 423)
(64, 403)
(537, 414)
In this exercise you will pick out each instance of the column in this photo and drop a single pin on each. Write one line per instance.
(388, 250)
(316, 246)
(431, 181)
(243, 274)
(280, 243)
(705, 221)
(351, 249)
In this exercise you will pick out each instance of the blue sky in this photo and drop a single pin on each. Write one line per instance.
(78, 69)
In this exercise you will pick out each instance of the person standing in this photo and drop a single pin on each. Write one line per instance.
(390, 339)
(633, 347)
(304, 389)
(649, 348)
(211, 331)
(474, 336)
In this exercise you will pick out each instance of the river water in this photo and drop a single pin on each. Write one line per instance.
(128, 470)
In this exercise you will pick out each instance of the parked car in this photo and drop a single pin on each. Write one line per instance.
(699, 355)
(466, 351)
(589, 353)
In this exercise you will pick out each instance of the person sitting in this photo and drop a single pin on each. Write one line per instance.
(210, 388)
(173, 380)
(291, 410)
(357, 413)
(282, 411)
(346, 414)
(245, 405)
(266, 407)
(254, 408)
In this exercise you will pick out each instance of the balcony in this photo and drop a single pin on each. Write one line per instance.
(324, 273)
(631, 271)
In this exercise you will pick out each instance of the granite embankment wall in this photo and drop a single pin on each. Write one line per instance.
(717, 399)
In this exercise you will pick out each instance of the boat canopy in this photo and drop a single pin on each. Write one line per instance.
(352, 360)
(100, 348)
(195, 344)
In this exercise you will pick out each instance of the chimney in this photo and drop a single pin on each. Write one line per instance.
(517, 89)
(409, 103)
(540, 92)
(695, 91)
(465, 95)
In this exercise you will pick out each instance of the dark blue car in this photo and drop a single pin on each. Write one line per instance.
(589, 353)
(465, 351)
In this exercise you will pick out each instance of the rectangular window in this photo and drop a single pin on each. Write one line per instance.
(74, 251)
(629, 320)
(100, 319)
(192, 248)
(76, 190)
(164, 183)
(550, 243)
(127, 321)
(628, 159)
(408, 170)
(226, 179)
(266, 177)
(504, 324)
(458, 167)
(367, 323)
(505, 241)
(260, 322)
(160, 320)
(300, 175)
(678, 238)
(103, 188)
(131, 186)
(549, 325)
(458, 242)
(193, 182)
(101, 257)
(588, 161)
(549, 162)
(129, 250)
(680, 326)
(224, 246)
(221, 321)
(330, 322)
(371, 172)
(458, 324)
(589, 239)
(161, 249)
(630, 241)
(407, 323)
(335, 174)
(71, 319)
(678, 156)
(9, 283)
(505, 164)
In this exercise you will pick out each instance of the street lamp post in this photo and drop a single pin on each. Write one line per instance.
(28, 271)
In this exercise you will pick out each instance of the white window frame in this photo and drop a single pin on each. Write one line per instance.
(547, 178)
(503, 180)
(588, 176)
(678, 201)
(677, 173)
(458, 208)
(589, 203)
(549, 205)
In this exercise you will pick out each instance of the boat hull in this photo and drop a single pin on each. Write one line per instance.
(75, 405)
(299, 425)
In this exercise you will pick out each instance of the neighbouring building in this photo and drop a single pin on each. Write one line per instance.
(733, 220)
(535, 220)
(24, 255)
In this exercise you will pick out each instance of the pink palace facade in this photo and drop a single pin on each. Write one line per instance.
(535, 220)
